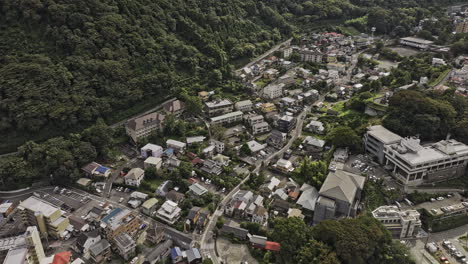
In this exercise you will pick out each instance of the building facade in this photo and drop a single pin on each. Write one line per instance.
(143, 126)
(402, 224)
(218, 107)
(227, 118)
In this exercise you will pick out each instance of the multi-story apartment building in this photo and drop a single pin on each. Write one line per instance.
(227, 118)
(143, 126)
(462, 27)
(273, 91)
(402, 224)
(218, 107)
(260, 128)
(244, 106)
(23, 249)
(254, 119)
(49, 219)
(125, 245)
(412, 163)
(314, 56)
(286, 123)
(120, 221)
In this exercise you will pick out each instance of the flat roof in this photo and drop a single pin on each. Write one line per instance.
(383, 135)
(417, 40)
(221, 117)
(37, 205)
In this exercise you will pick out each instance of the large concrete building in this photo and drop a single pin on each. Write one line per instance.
(402, 224)
(23, 249)
(418, 43)
(413, 164)
(120, 221)
(143, 126)
(218, 107)
(339, 196)
(49, 219)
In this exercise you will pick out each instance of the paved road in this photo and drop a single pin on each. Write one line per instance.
(115, 174)
(207, 243)
(273, 49)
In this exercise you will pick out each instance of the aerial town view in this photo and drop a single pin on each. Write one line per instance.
(234, 132)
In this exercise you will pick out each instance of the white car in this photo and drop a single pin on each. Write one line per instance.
(121, 199)
(440, 198)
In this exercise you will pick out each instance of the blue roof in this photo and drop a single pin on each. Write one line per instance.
(102, 169)
(175, 252)
(113, 213)
(169, 151)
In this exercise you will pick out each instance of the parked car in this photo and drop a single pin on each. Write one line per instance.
(440, 198)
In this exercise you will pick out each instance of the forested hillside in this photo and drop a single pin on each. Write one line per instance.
(65, 63)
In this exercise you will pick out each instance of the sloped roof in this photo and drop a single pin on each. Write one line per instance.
(99, 247)
(135, 174)
(62, 258)
(342, 185)
(308, 197)
(146, 120)
(273, 246)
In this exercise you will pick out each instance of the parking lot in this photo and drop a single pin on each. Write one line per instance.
(435, 206)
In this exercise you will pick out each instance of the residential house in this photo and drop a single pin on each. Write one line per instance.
(219, 146)
(169, 212)
(273, 91)
(151, 150)
(221, 160)
(96, 214)
(227, 118)
(270, 74)
(175, 196)
(177, 256)
(134, 177)
(281, 194)
(270, 186)
(172, 163)
(294, 212)
(308, 198)
(125, 245)
(94, 169)
(339, 196)
(6, 209)
(316, 127)
(260, 128)
(209, 151)
(286, 123)
(195, 140)
(159, 253)
(156, 233)
(339, 67)
(260, 216)
(152, 162)
(100, 252)
(197, 217)
(284, 166)
(314, 146)
(287, 102)
(255, 147)
(277, 139)
(149, 206)
(230, 229)
(176, 145)
(204, 95)
(211, 167)
(218, 107)
(143, 126)
(341, 155)
(86, 240)
(193, 256)
(176, 107)
(254, 119)
(163, 189)
(281, 206)
(268, 107)
(197, 189)
(244, 106)
(237, 205)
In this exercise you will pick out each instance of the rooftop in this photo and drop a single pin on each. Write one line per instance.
(342, 185)
(37, 205)
(228, 115)
(382, 134)
(145, 121)
(417, 40)
(218, 103)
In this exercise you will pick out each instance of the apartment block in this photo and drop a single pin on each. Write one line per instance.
(402, 224)
(260, 128)
(227, 118)
(49, 219)
(120, 221)
(143, 126)
(218, 107)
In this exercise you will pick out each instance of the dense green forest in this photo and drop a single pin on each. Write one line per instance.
(65, 63)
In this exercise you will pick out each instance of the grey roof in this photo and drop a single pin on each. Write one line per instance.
(342, 185)
(219, 103)
(228, 115)
(193, 212)
(308, 197)
(160, 250)
(145, 121)
(243, 103)
(192, 254)
(83, 237)
(382, 134)
(99, 247)
(198, 189)
(313, 141)
(123, 240)
(417, 40)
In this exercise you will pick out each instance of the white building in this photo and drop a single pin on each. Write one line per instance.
(169, 212)
(416, 43)
(219, 146)
(244, 106)
(176, 145)
(151, 150)
(314, 56)
(273, 91)
(153, 162)
(218, 107)
(227, 118)
(260, 128)
(134, 177)
(402, 224)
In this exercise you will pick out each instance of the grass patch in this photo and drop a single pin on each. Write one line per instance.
(441, 76)
(339, 107)
(349, 30)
